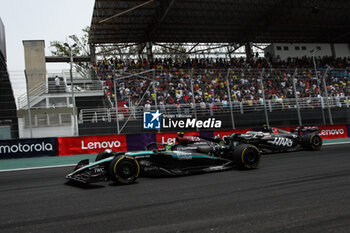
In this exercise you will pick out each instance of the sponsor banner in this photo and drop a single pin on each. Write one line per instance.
(207, 134)
(24, 148)
(333, 131)
(139, 141)
(91, 144)
(229, 132)
(348, 128)
(171, 137)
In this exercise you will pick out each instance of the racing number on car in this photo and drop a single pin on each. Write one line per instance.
(282, 142)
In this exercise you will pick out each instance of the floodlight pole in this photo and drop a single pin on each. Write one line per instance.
(75, 131)
(229, 98)
(155, 93)
(75, 120)
(116, 100)
(326, 94)
(318, 84)
(263, 93)
(296, 96)
(193, 101)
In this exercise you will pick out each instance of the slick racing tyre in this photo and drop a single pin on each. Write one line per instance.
(246, 156)
(104, 154)
(124, 169)
(312, 142)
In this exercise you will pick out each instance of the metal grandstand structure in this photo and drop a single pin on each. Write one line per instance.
(232, 22)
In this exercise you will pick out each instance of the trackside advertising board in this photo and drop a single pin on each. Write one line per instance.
(139, 141)
(333, 131)
(171, 137)
(25, 148)
(91, 144)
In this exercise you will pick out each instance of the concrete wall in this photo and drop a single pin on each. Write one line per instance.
(34, 55)
(301, 49)
(51, 131)
(342, 50)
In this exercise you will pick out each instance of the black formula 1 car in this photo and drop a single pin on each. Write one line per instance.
(199, 155)
(273, 140)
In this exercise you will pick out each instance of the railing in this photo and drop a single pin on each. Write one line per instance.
(212, 109)
(38, 90)
(80, 86)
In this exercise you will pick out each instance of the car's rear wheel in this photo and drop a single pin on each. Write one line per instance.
(312, 142)
(246, 156)
(124, 169)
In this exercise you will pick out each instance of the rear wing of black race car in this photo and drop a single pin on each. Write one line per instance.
(302, 130)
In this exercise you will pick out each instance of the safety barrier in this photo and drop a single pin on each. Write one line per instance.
(62, 146)
(134, 142)
(25, 148)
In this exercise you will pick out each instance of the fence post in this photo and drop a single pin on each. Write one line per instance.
(116, 100)
(241, 107)
(229, 98)
(296, 96)
(193, 101)
(263, 93)
(109, 115)
(270, 105)
(326, 94)
(320, 93)
(155, 93)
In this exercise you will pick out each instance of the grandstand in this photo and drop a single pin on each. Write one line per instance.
(241, 91)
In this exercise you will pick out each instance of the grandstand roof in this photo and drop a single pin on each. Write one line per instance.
(222, 21)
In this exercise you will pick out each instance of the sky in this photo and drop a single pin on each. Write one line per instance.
(47, 20)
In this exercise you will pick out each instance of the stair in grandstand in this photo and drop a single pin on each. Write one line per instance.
(52, 88)
(35, 95)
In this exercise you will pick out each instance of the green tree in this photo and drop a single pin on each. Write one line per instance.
(81, 49)
(120, 51)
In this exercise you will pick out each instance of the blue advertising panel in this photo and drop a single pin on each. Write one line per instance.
(139, 141)
(24, 148)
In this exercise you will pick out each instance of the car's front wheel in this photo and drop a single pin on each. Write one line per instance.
(124, 169)
(246, 156)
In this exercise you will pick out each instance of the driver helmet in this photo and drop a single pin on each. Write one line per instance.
(266, 128)
(180, 134)
(169, 146)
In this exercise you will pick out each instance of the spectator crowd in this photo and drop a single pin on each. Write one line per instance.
(173, 80)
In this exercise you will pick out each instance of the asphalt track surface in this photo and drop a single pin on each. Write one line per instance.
(290, 192)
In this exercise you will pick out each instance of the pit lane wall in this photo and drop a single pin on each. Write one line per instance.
(61, 146)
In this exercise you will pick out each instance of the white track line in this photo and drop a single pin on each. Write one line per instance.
(33, 168)
(68, 165)
(335, 143)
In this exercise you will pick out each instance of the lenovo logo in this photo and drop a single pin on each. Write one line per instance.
(100, 145)
(327, 132)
